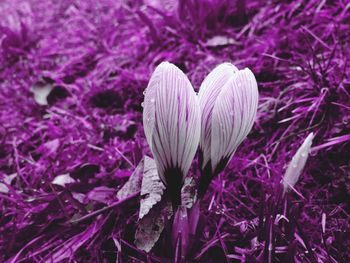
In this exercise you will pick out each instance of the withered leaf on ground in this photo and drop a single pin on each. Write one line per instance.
(133, 185)
(189, 192)
(152, 187)
(152, 224)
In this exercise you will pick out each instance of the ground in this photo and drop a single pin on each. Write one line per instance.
(72, 76)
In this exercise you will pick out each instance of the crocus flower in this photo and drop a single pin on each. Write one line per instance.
(171, 120)
(297, 164)
(228, 99)
(208, 93)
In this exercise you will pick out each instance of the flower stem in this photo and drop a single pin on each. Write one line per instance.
(173, 177)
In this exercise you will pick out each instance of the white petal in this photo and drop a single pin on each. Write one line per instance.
(233, 115)
(297, 164)
(208, 93)
(171, 119)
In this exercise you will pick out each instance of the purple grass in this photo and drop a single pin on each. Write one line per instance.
(95, 59)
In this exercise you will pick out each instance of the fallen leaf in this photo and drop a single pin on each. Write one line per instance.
(7, 179)
(152, 187)
(151, 225)
(41, 93)
(189, 192)
(3, 188)
(220, 41)
(133, 185)
(63, 179)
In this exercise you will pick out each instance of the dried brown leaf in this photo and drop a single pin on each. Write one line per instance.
(152, 187)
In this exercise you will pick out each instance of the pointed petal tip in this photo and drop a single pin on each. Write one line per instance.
(223, 70)
(228, 65)
(163, 65)
(248, 71)
(166, 65)
(310, 137)
(308, 141)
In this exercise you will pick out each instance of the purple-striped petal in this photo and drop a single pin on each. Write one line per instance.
(208, 93)
(171, 119)
(233, 116)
